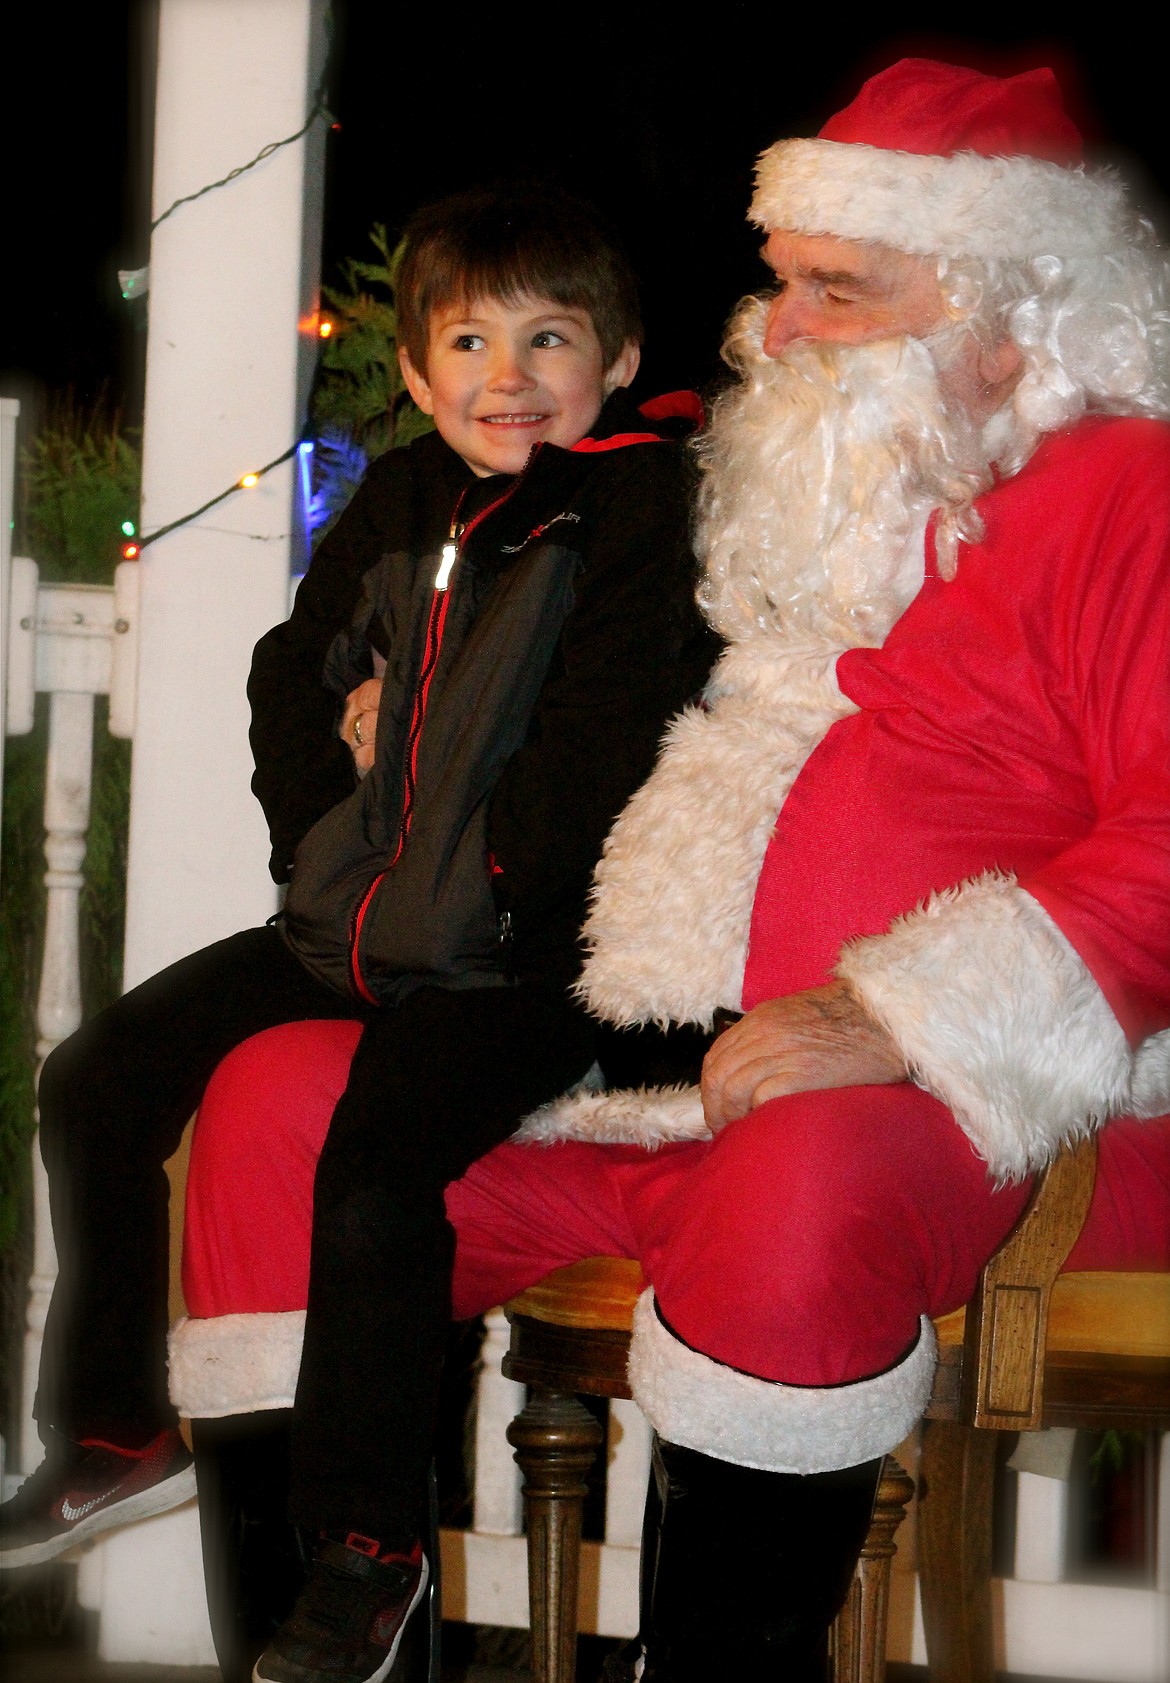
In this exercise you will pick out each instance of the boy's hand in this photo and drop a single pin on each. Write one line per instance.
(359, 723)
(800, 1043)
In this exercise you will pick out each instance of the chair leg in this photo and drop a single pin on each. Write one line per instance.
(956, 1477)
(555, 1439)
(858, 1639)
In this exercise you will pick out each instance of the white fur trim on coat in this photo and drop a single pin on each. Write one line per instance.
(645, 1116)
(657, 952)
(1150, 1092)
(698, 1403)
(962, 206)
(235, 1364)
(998, 1016)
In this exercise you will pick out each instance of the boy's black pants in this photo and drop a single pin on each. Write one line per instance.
(436, 1082)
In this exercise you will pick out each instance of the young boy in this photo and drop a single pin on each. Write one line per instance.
(473, 681)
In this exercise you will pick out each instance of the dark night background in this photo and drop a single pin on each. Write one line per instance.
(655, 118)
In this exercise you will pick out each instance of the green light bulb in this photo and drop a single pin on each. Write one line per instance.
(128, 528)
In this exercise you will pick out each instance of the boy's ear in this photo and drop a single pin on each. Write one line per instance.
(622, 369)
(416, 383)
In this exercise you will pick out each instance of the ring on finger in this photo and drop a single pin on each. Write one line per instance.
(357, 732)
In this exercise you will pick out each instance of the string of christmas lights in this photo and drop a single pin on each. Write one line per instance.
(135, 282)
(132, 550)
(319, 109)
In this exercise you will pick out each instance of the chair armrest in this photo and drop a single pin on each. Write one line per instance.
(1007, 1319)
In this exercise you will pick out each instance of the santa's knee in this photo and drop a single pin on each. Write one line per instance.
(788, 1259)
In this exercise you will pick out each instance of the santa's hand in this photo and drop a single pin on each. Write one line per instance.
(359, 723)
(797, 1044)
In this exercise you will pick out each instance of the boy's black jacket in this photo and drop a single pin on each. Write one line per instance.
(570, 637)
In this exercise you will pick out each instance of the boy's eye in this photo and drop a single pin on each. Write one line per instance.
(546, 339)
(468, 342)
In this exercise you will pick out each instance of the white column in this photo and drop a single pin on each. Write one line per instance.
(231, 275)
(9, 411)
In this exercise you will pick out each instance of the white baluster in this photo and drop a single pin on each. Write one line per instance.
(1041, 1528)
(497, 1505)
(628, 1471)
(68, 774)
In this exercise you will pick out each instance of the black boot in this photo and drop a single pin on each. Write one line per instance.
(255, 1560)
(744, 1571)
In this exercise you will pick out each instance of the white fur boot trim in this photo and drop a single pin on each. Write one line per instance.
(673, 893)
(998, 1016)
(698, 1403)
(235, 1364)
(645, 1116)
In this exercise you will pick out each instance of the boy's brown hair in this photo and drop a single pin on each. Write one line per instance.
(510, 243)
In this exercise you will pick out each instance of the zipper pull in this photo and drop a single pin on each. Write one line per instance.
(446, 562)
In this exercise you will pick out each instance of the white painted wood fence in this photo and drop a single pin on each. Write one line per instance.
(75, 642)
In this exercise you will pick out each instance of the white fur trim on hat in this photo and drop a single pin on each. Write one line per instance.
(235, 1364)
(965, 205)
(698, 1403)
(998, 1016)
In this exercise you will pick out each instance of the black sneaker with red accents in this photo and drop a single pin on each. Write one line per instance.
(348, 1621)
(82, 1489)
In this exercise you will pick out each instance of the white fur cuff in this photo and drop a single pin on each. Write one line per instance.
(645, 1116)
(698, 1403)
(235, 1364)
(997, 1015)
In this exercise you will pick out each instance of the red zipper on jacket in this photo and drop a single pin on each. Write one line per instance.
(436, 621)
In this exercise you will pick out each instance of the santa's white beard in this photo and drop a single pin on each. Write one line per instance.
(819, 468)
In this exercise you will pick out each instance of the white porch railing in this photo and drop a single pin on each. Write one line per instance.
(75, 642)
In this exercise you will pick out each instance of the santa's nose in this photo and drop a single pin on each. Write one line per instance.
(784, 322)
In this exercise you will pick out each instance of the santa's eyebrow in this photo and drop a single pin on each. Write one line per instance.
(839, 277)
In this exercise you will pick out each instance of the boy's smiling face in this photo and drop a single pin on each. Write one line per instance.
(501, 377)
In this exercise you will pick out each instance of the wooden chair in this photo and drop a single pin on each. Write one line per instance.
(1031, 1349)
(1093, 1351)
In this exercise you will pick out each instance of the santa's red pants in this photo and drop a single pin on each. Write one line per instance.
(802, 1245)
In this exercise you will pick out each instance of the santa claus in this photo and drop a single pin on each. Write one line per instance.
(917, 836)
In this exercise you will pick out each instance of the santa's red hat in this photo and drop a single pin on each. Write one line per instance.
(935, 159)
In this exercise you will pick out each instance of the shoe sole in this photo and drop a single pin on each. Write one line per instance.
(387, 1664)
(158, 1499)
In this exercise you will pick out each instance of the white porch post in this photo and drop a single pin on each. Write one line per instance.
(231, 275)
(9, 411)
